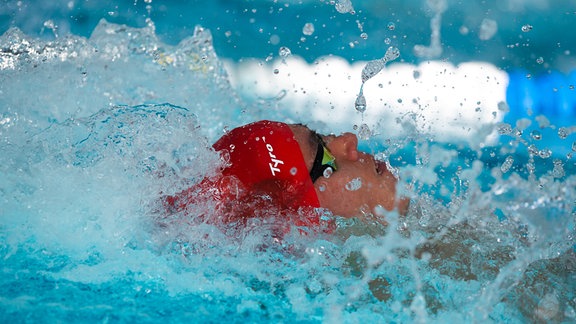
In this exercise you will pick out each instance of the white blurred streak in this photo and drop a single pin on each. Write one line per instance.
(450, 103)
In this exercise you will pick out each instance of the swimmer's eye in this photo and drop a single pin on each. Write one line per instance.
(324, 163)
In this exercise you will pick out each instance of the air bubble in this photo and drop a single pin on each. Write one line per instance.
(364, 36)
(322, 188)
(391, 26)
(276, 71)
(540, 60)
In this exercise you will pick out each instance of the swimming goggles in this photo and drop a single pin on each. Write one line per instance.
(324, 163)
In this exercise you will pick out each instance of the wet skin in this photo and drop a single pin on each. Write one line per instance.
(378, 184)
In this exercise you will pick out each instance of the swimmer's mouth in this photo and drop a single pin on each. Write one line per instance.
(380, 167)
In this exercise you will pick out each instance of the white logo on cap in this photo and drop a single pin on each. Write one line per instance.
(275, 162)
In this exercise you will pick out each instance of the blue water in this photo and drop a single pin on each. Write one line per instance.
(99, 119)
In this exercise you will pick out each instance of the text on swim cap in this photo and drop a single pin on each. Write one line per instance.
(274, 161)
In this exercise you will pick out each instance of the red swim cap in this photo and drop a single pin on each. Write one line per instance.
(264, 169)
(267, 159)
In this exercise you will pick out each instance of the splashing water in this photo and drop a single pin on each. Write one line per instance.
(87, 159)
(434, 50)
(344, 6)
(370, 70)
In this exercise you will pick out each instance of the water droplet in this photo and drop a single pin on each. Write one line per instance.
(507, 164)
(545, 153)
(49, 24)
(52, 26)
(532, 149)
(284, 51)
(504, 129)
(354, 184)
(344, 6)
(558, 171)
(488, 29)
(364, 132)
(322, 188)
(360, 103)
(536, 135)
(540, 60)
(293, 171)
(327, 172)
(276, 71)
(308, 29)
(526, 28)
(225, 156)
(375, 66)
(563, 132)
(391, 26)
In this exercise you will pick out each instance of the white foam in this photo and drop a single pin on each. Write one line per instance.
(449, 102)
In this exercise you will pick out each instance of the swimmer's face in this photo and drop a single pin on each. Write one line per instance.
(359, 184)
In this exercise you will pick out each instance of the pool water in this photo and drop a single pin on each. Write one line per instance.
(99, 119)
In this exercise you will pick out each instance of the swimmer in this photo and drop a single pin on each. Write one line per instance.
(288, 167)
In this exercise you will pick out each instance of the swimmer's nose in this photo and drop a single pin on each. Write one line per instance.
(344, 146)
